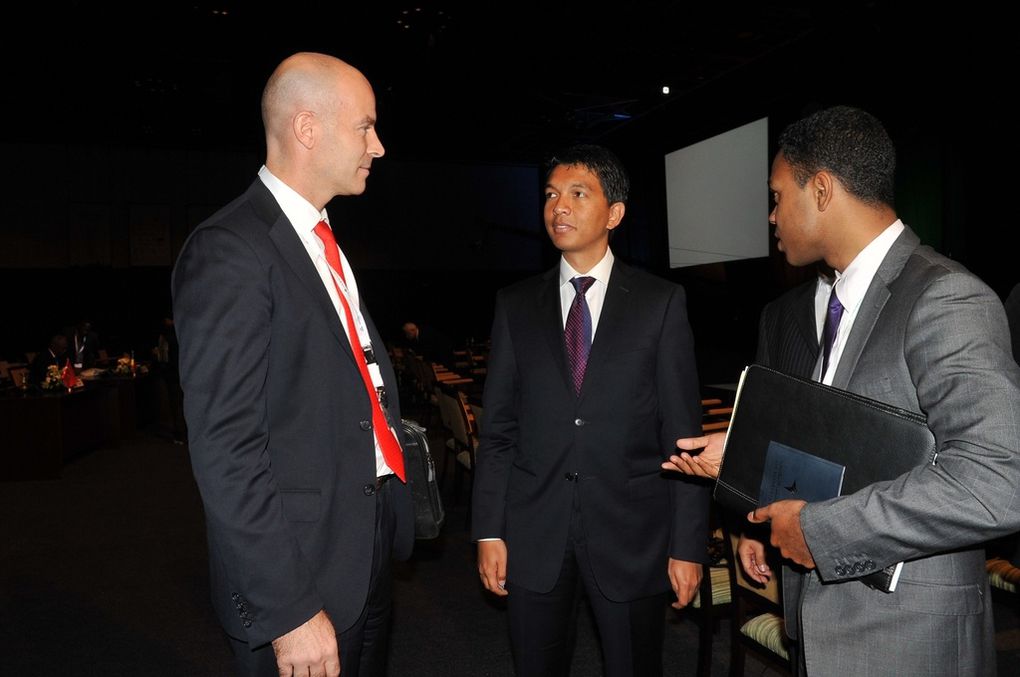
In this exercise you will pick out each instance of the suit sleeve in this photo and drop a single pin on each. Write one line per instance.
(499, 439)
(223, 308)
(680, 408)
(957, 352)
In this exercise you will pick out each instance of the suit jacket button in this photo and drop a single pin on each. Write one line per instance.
(247, 624)
(579, 422)
(366, 425)
(869, 565)
(369, 489)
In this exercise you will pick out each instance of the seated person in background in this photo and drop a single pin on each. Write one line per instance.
(430, 344)
(55, 354)
(82, 344)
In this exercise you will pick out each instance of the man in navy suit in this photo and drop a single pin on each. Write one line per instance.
(568, 493)
(286, 382)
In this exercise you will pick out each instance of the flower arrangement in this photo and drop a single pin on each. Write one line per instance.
(53, 379)
(126, 366)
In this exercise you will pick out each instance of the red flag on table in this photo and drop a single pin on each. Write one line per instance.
(68, 376)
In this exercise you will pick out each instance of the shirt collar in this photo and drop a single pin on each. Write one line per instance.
(853, 283)
(600, 271)
(299, 211)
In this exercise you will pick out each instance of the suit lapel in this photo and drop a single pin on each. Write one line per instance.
(871, 307)
(293, 252)
(550, 317)
(613, 324)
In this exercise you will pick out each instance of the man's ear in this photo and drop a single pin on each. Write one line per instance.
(616, 211)
(822, 185)
(303, 127)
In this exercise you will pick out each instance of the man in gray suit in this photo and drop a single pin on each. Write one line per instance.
(920, 332)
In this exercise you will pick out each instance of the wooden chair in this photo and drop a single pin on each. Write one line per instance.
(463, 443)
(476, 414)
(1003, 577)
(757, 620)
(715, 416)
(19, 376)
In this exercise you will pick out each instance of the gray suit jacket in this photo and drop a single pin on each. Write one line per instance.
(932, 338)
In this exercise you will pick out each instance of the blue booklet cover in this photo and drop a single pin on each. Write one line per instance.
(794, 474)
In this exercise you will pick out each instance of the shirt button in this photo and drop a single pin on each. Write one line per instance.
(369, 489)
(579, 422)
(366, 425)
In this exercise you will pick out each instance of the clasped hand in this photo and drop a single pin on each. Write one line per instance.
(784, 521)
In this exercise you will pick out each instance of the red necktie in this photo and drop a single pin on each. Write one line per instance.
(387, 442)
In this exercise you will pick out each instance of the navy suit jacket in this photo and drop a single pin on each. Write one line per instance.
(640, 394)
(279, 426)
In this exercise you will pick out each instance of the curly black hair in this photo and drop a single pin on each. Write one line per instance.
(848, 142)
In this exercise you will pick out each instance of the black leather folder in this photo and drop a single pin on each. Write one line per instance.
(873, 440)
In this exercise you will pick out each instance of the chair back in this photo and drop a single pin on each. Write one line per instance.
(758, 624)
(19, 375)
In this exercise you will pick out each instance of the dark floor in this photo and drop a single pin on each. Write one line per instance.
(103, 572)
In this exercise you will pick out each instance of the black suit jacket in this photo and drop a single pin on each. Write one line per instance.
(788, 332)
(279, 426)
(639, 395)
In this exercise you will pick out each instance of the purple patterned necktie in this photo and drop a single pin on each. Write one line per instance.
(832, 319)
(577, 331)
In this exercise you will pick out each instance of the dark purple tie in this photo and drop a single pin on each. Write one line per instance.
(832, 318)
(577, 331)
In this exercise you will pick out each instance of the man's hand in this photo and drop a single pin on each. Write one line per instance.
(685, 577)
(706, 464)
(752, 558)
(784, 517)
(309, 649)
(492, 566)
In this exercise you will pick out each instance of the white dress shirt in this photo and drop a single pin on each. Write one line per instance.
(852, 284)
(596, 294)
(304, 217)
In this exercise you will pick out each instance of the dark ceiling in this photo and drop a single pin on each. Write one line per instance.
(485, 81)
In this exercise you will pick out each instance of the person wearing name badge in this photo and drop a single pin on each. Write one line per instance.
(289, 396)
